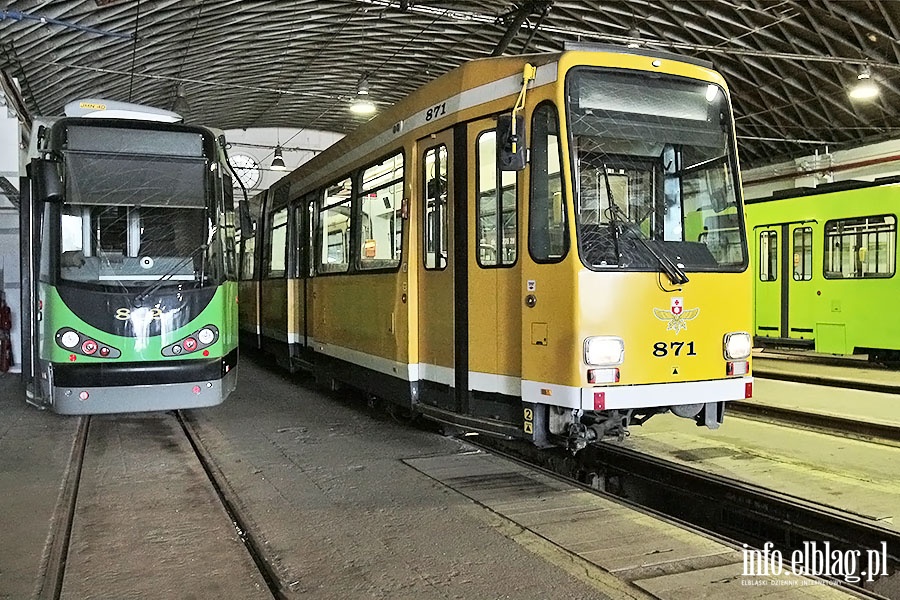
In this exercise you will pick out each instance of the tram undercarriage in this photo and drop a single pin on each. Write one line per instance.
(581, 428)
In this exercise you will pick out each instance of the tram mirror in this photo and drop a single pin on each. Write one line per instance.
(46, 180)
(510, 146)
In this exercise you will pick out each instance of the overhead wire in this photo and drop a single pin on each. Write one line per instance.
(306, 66)
(137, 20)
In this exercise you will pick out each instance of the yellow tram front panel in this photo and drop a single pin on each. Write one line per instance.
(669, 336)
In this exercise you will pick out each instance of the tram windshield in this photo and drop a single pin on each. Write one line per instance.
(654, 172)
(137, 208)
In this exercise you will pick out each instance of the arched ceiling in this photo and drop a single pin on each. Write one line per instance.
(268, 63)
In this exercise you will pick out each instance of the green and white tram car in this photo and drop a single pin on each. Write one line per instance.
(129, 265)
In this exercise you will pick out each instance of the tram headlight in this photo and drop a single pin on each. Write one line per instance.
(604, 350)
(69, 339)
(206, 336)
(737, 345)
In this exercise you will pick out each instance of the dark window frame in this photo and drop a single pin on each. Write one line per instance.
(321, 207)
(445, 211)
(771, 263)
(361, 190)
(826, 248)
(547, 105)
(499, 264)
(806, 268)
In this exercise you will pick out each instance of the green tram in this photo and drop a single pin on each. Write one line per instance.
(129, 287)
(826, 261)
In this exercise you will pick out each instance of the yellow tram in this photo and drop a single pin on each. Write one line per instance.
(545, 247)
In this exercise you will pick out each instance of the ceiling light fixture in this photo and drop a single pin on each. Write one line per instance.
(278, 160)
(634, 36)
(180, 105)
(362, 105)
(864, 88)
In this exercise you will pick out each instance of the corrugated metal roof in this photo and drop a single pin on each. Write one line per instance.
(267, 63)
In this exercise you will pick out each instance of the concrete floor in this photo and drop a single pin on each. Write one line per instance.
(323, 481)
(320, 479)
(34, 452)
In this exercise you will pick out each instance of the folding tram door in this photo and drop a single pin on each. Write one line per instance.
(784, 280)
(494, 280)
(436, 264)
(275, 316)
(468, 306)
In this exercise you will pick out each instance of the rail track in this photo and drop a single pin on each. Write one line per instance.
(735, 512)
(54, 568)
(845, 375)
(867, 431)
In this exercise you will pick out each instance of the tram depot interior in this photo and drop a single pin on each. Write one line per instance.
(815, 92)
(285, 78)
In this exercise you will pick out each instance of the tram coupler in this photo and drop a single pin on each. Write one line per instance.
(581, 434)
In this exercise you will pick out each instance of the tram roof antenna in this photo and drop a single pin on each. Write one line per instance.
(114, 109)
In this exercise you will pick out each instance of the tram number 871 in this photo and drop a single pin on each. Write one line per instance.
(661, 349)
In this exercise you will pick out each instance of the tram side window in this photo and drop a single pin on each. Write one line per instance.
(248, 257)
(861, 247)
(768, 255)
(547, 228)
(277, 243)
(435, 210)
(311, 233)
(381, 225)
(803, 254)
(304, 233)
(496, 206)
(334, 228)
(230, 231)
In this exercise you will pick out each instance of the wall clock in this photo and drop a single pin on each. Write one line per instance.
(246, 168)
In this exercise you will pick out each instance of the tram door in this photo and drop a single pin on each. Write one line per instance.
(436, 314)
(305, 221)
(801, 291)
(784, 289)
(273, 282)
(493, 281)
(767, 292)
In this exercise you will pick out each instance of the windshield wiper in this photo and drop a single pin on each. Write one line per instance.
(675, 274)
(168, 274)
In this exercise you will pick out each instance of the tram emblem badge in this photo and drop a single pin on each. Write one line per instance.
(676, 316)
